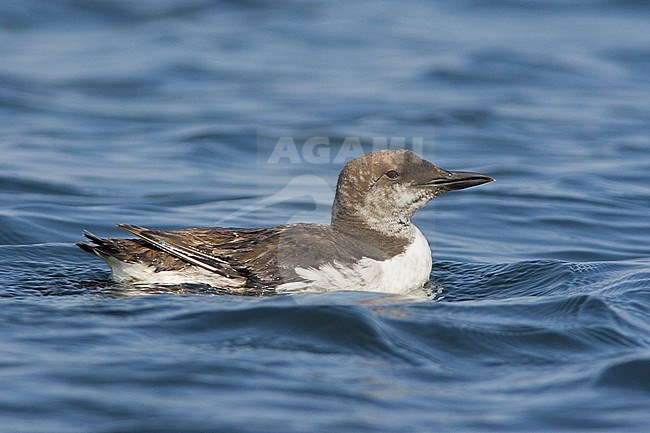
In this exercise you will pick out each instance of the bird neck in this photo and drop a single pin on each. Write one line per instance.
(387, 234)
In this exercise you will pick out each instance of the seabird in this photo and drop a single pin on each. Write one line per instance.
(371, 243)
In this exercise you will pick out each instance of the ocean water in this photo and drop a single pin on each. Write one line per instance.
(184, 113)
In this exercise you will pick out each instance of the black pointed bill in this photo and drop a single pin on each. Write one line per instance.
(460, 180)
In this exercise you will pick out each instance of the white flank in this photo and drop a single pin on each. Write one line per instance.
(141, 274)
(401, 274)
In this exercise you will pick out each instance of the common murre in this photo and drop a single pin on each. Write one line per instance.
(370, 245)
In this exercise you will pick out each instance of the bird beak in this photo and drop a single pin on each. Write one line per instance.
(455, 180)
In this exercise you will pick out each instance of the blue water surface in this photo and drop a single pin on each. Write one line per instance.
(167, 114)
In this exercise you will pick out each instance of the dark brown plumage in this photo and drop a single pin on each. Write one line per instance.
(376, 196)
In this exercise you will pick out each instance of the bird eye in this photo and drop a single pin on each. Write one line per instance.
(392, 174)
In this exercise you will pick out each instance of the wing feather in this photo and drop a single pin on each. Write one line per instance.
(179, 247)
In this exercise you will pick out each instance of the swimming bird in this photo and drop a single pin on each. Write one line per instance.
(371, 243)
